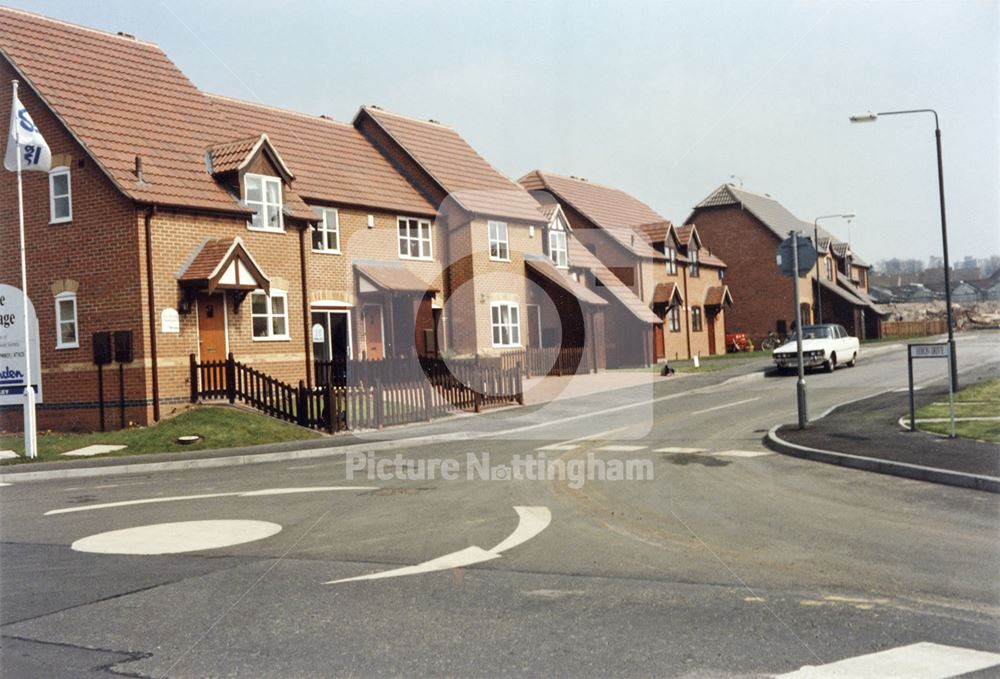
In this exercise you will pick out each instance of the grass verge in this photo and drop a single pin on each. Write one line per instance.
(977, 400)
(219, 427)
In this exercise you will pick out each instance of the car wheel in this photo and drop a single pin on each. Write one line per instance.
(854, 360)
(831, 364)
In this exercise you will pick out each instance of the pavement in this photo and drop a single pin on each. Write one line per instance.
(866, 434)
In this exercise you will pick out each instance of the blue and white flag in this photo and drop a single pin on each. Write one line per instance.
(25, 141)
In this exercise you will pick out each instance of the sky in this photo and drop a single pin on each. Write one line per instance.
(665, 100)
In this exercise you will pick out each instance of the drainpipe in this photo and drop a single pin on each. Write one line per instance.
(151, 308)
(306, 321)
(687, 312)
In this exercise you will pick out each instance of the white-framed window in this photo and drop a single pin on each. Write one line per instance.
(674, 318)
(263, 196)
(693, 258)
(269, 315)
(671, 260)
(696, 319)
(499, 245)
(60, 196)
(506, 324)
(67, 333)
(557, 248)
(326, 233)
(829, 268)
(414, 238)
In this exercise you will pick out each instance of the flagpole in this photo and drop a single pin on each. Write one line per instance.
(30, 433)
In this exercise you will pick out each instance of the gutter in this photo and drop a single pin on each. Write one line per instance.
(151, 309)
(306, 321)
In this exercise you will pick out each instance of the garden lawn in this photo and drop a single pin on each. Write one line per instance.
(977, 400)
(219, 427)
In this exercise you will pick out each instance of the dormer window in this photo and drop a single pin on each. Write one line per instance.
(693, 258)
(263, 196)
(671, 254)
(829, 268)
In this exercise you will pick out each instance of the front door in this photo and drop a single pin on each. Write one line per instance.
(710, 317)
(659, 351)
(212, 327)
(372, 318)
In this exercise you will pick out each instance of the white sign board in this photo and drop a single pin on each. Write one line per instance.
(318, 333)
(170, 321)
(12, 348)
(929, 350)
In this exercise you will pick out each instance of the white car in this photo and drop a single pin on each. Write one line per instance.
(824, 346)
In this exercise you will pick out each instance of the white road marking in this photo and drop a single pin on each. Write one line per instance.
(621, 449)
(572, 444)
(179, 498)
(96, 449)
(675, 449)
(725, 405)
(4, 484)
(176, 538)
(556, 446)
(916, 661)
(531, 522)
(742, 453)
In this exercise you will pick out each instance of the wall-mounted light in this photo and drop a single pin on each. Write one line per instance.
(531, 232)
(371, 221)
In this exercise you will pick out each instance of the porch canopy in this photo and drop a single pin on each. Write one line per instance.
(390, 277)
(222, 264)
(547, 270)
(667, 293)
(718, 295)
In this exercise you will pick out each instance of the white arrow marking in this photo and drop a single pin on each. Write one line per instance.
(531, 522)
(916, 661)
(178, 498)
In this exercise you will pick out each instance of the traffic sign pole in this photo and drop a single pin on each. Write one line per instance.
(800, 386)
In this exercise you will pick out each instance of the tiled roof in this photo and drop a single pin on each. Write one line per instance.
(206, 259)
(548, 210)
(708, 259)
(840, 249)
(656, 232)
(684, 234)
(333, 162)
(718, 295)
(393, 276)
(666, 293)
(767, 210)
(231, 155)
(209, 262)
(580, 256)
(613, 210)
(450, 161)
(122, 98)
(544, 266)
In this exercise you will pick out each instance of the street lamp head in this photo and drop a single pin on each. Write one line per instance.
(849, 215)
(865, 118)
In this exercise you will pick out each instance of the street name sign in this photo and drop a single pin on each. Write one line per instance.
(929, 350)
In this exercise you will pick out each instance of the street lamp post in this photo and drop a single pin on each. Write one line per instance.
(871, 118)
(819, 286)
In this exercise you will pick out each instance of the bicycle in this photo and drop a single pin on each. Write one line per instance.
(771, 342)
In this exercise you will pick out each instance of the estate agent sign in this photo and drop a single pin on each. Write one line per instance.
(12, 366)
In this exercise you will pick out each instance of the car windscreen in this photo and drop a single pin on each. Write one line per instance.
(812, 332)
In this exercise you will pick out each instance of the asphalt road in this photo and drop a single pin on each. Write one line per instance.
(727, 560)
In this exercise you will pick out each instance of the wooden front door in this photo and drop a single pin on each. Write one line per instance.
(212, 327)
(372, 318)
(710, 317)
(658, 349)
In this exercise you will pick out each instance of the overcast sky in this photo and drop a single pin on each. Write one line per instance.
(665, 100)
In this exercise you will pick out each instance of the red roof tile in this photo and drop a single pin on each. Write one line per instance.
(122, 98)
(332, 161)
(210, 260)
(393, 276)
(665, 293)
(718, 295)
(450, 161)
(544, 267)
(613, 210)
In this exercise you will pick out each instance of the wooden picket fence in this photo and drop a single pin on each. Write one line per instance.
(360, 397)
(541, 361)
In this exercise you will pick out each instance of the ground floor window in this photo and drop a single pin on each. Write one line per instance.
(696, 319)
(67, 336)
(506, 324)
(269, 315)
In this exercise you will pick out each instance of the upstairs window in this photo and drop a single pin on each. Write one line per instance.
(829, 268)
(696, 319)
(506, 324)
(557, 248)
(722, 274)
(60, 198)
(263, 196)
(499, 245)
(326, 233)
(414, 238)
(67, 336)
(269, 315)
(674, 318)
(693, 258)
(671, 254)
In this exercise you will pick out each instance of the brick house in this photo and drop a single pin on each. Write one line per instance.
(203, 225)
(668, 292)
(745, 230)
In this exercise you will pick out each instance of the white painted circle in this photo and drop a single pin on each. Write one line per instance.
(176, 538)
